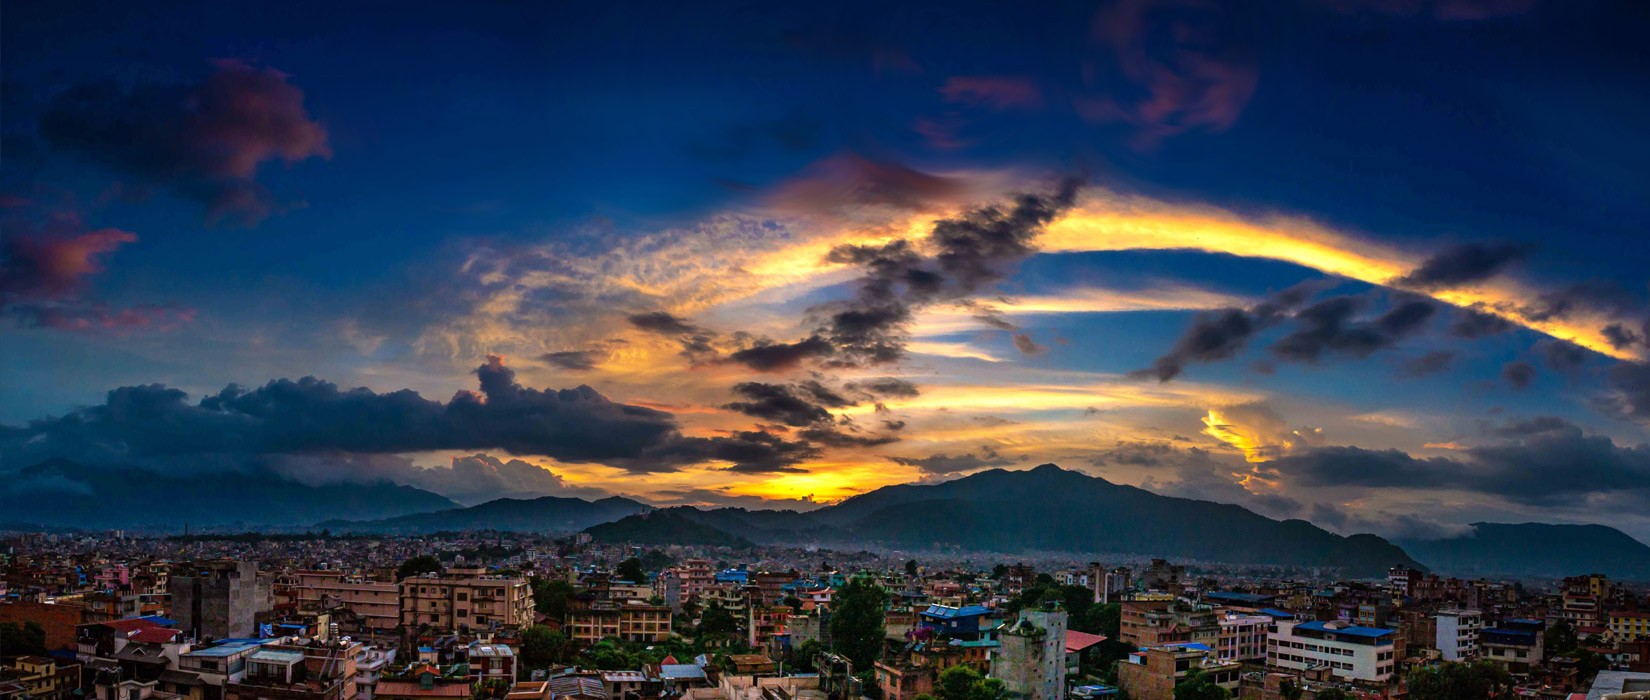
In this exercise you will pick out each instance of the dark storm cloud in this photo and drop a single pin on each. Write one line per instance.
(1329, 327)
(769, 356)
(973, 251)
(1519, 374)
(203, 142)
(831, 436)
(1429, 363)
(1550, 461)
(310, 416)
(888, 387)
(1594, 295)
(1622, 337)
(1472, 323)
(948, 464)
(698, 344)
(1562, 355)
(1463, 264)
(777, 402)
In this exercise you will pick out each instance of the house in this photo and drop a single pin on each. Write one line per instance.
(1152, 674)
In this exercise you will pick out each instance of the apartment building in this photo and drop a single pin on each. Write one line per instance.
(466, 598)
(638, 623)
(1157, 621)
(1628, 626)
(218, 599)
(1456, 638)
(42, 678)
(1152, 674)
(1515, 645)
(375, 605)
(1242, 637)
(1347, 651)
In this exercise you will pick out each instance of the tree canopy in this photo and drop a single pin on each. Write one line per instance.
(418, 566)
(1479, 680)
(857, 621)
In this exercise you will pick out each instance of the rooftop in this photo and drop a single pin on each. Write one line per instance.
(1349, 630)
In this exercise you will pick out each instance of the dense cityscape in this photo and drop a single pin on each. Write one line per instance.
(489, 614)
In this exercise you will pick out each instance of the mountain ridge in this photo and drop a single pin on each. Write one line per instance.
(1545, 550)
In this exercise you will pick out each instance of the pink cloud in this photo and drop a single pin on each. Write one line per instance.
(54, 266)
(1000, 93)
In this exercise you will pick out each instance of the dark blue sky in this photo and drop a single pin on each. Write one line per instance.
(383, 195)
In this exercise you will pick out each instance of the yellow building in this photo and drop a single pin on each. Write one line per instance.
(1629, 626)
(636, 623)
(41, 678)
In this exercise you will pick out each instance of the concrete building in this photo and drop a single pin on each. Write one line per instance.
(1348, 651)
(1515, 645)
(374, 605)
(1628, 626)
(466, 598)
(218, 599)
(637, 623)
(1031, 656)
(42, 678)
(1152, 674)
(1456, 638)
(1242, 637)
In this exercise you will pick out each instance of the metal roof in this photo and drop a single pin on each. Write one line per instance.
(1349, 630)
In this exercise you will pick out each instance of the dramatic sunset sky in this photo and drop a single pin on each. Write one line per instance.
(1379, 264)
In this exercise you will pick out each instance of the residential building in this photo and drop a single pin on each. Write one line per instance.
(218, 599)
(1153, 673)
(1515, 645)
(220, 664)
(466, 598)
(491, 662)
(373, 605)
(423, 682)
(637, 623)
(1242, 637)
(42, 678)
(1348, 651)
(1628, 625)
(283, 674)
(1456, 638)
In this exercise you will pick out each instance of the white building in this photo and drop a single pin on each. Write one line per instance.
(1457, 637)
(1242, 637)
(1348, 651)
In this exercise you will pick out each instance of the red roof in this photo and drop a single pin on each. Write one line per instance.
(132, 624)
(155, 635)
(669, 660)
(1078, 641)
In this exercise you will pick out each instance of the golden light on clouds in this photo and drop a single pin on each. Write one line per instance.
(1257, 431)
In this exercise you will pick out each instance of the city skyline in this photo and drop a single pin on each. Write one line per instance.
(1375, 265)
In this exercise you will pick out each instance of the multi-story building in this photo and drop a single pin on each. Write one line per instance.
(1348, 651)
(1456, 638)
(1628, 625)
(280, 673)
(1152, 674)
(491, 662)
(693, 576)
(218, 599)
(1515, 645)
(1582, 600)
(1149, 622)
(373, 605)
(466, 598)
(637, 623)
(1031, 657)
(1242, 637)
(220, 664)
(42, 678)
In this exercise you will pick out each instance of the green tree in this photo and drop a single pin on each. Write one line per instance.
(418, 566)
(541, 647)
(28, 639)
(857, 621)
(965, 683)
(1560, 640)
(1289, 691)
(911, 568)
(803, 655)
(551, 596)
(1480, 680)
(1333, 694)
(716, 624)
(631, 570)
(1199, 686)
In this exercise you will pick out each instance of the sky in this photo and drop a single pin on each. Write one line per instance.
(1376, 264)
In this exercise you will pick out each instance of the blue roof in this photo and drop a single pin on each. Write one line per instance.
(230, 647)
(1193, 646)
(162, 621)
(1350, 631)
(946, 611)
(1274, 612)
(1241, 597)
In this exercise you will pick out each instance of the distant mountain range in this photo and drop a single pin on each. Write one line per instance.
(1042, 509)
(59, 493)
(679, 526)
(1052, 509)
(1537, 550)
(553, 514)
